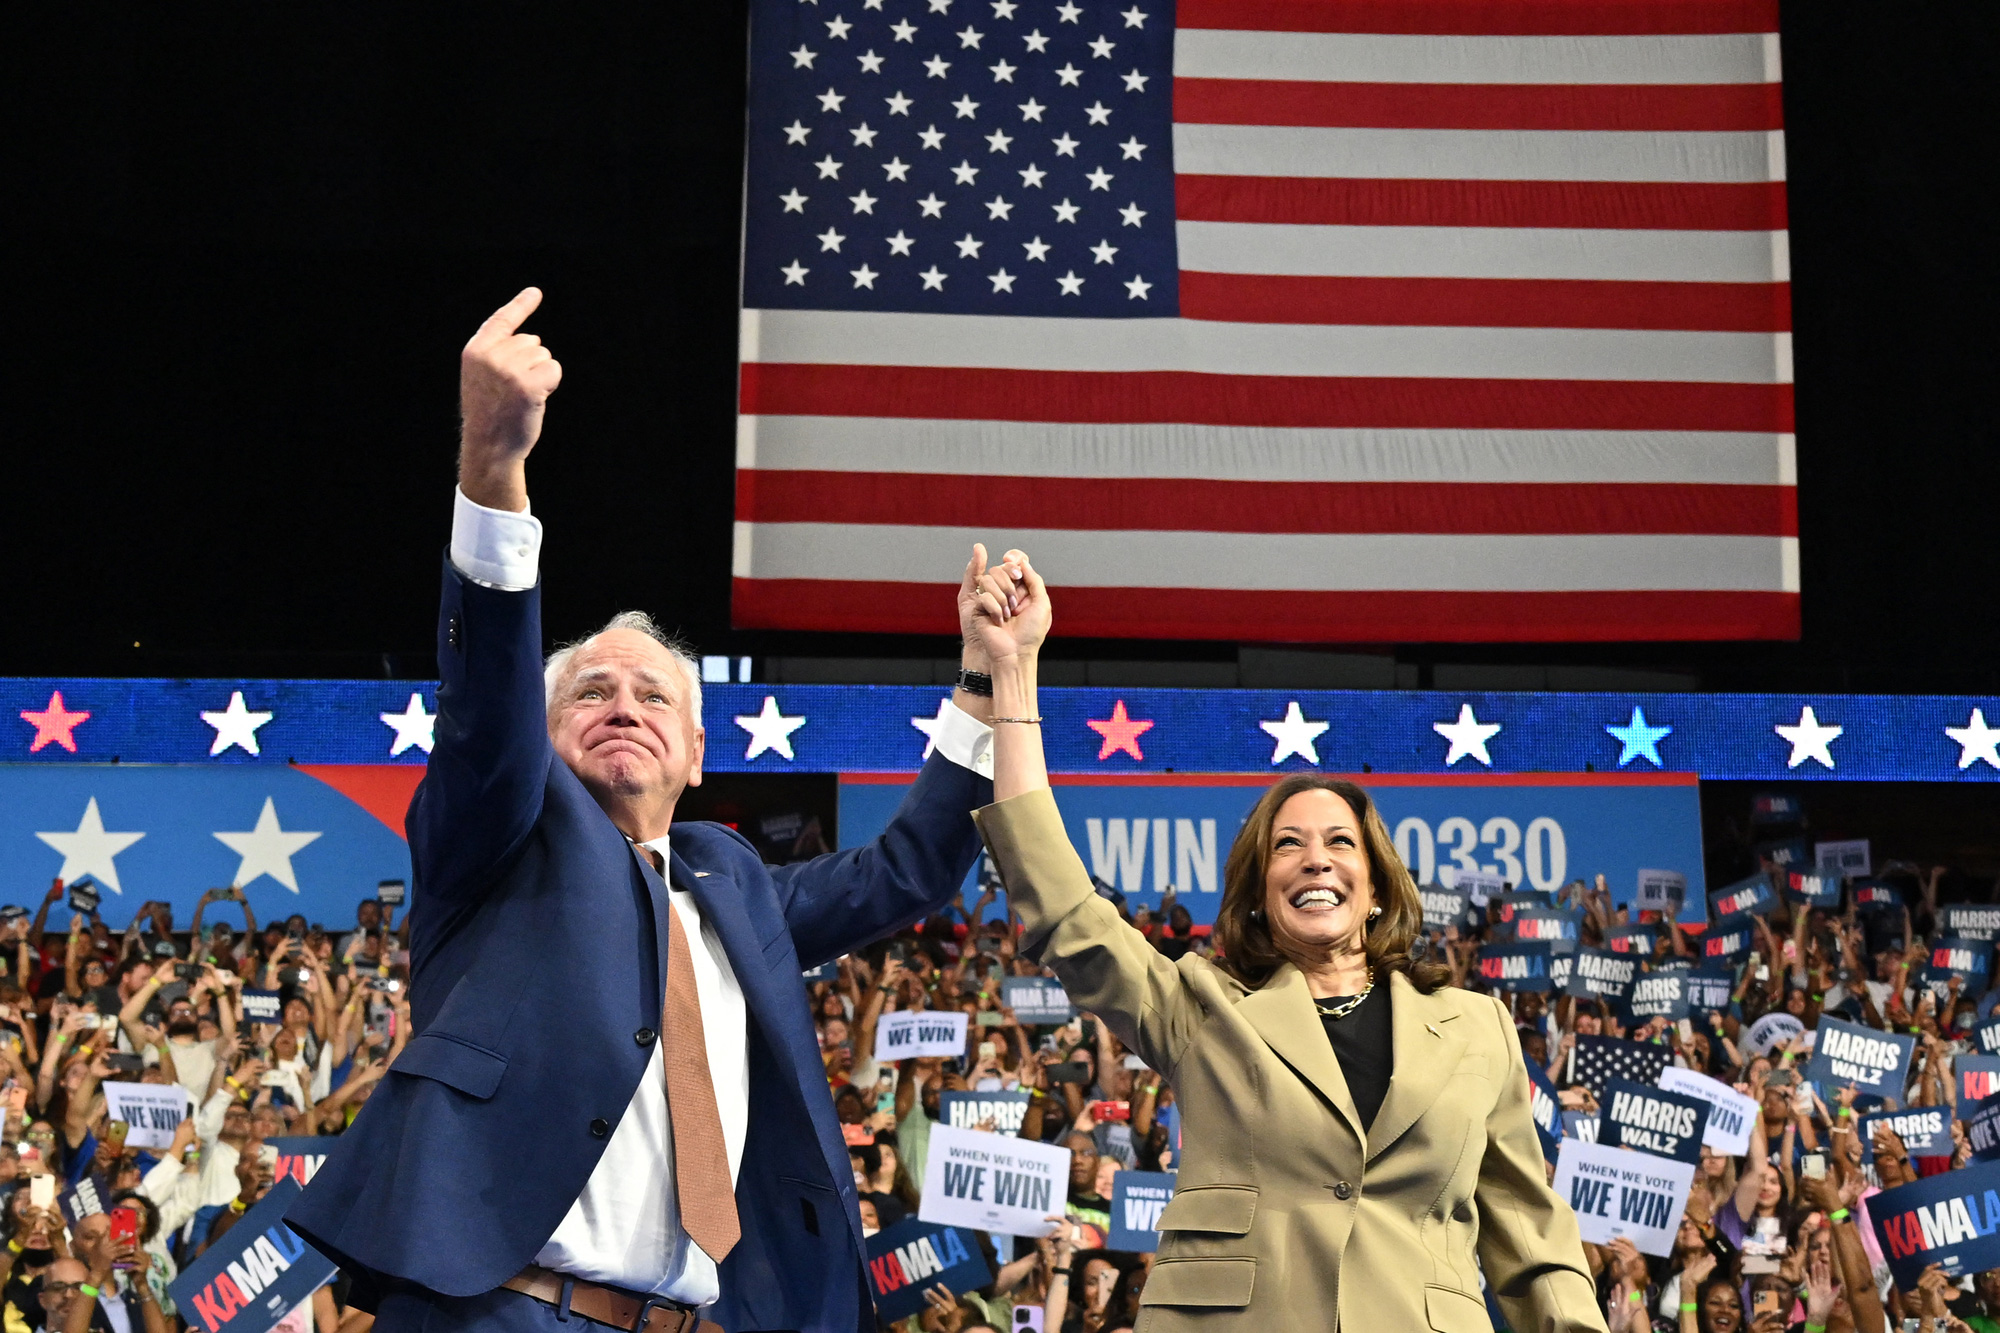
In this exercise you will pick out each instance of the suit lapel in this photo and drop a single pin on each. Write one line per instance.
(722, 909)
(1427, 1039)
(1282, 1013)
(656, 890)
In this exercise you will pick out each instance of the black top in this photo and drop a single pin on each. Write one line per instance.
(1365, 1048)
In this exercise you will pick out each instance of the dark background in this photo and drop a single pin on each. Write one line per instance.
(248, 241)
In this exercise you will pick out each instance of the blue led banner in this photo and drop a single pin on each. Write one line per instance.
(848, 728)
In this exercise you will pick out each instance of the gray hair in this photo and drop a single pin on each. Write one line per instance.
(559, 661)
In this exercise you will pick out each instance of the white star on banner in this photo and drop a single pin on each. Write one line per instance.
(1468, 736)
(266, 849)
(413, 727)
(90, 850)
(770, 730)
(929, 725)
(235, 725)
(1809, 739)
(1294, 735)
(1976, 741)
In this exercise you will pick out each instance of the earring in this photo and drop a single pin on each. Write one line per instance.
(1374, 912)
(1256, 914)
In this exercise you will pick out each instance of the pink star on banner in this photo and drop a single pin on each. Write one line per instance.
(54, 723)
(1120, 732)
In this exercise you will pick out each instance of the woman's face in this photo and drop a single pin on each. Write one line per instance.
(888, 1171)
(1795, 1004)
(1769, 1191)
(1317, 891)
(1713, 1164)
(1588, 1024)
(285, 1046)
(1723, 1308)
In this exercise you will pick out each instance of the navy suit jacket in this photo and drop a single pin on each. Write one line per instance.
(538, 964)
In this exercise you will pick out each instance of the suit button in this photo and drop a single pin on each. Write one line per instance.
(451, 631)
(1343, 1190)
(644, 1036)
(601, 1128)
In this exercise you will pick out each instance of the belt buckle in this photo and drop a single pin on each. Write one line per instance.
(686, 1316)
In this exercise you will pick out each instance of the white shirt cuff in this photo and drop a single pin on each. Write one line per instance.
(966, 741)
(494, 547)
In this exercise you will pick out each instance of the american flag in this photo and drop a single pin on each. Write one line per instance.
(1338, 320)
(1595, 1059)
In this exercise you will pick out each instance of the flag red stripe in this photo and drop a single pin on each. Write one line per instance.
(1335, 201)
(1176, 504)
(1480, 106)
(1260, 400)
(1515, 303)
(1527, 18)
(1291, 616)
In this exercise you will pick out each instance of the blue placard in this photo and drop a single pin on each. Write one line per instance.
(1539, 923)
(1581, 1125)
(827, 971)
(1666, 1124)
(1443, 907)
(1137, 1199)
(1710, 986)
(255, 1274)
(1873, 1061)
(1642, 940)
(1872, 895)
(1971, 961)
(967, 1110)
(1982, 1128)
(1775, 808)
(1924, 1130)
(909, 1258)
(1516, 966)
(1728, 939)
(1974, 1078)
(1544, 1108)
(1785, 853)
(1813, 888)
(1986, 1035)
(1600, 974)
(1037, 1000)
(262, 1006)
(1951, 1219)
(1752, 895)
(1562, 961)
(1659, 995)
(301, 1156)
(1969, 921)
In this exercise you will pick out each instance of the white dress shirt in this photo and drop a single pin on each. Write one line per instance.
(624, 1230)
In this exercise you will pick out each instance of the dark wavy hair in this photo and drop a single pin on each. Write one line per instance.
(1248, 952)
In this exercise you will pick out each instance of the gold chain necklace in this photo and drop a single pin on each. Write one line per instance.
(1345, 1007)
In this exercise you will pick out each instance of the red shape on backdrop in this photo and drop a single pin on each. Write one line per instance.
(1120, 732)
(54, 723)
(383, 790)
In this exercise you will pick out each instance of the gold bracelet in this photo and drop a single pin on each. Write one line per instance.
(1025, 721)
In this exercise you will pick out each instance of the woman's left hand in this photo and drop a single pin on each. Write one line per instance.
(1004, 610)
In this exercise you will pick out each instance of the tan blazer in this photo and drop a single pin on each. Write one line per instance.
(1286, 1216)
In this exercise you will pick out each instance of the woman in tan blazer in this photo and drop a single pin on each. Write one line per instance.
(1356, 1143)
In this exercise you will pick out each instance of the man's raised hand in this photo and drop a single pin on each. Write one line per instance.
(505, 378)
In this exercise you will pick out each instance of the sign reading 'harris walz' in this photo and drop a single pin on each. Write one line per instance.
(1874, 1062)
(256, 1273)
(1666, 1124)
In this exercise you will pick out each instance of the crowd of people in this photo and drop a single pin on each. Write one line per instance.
(1777, 1238)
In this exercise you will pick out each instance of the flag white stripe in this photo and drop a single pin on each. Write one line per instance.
(1676, 156)
(1484, 252)
(1260, 453)
(839, 337)
(1341, 57)
(1319, 562)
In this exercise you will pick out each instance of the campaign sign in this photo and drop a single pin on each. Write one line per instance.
(1987, 1036)
(1728, 939)
(1974, 1078)
(262, 1006)
(1616, 1194)
(1774, 808)
(1752, 895)
(909, 1258)
(1982, 1128)
(1443, 907)
(1710, 986)
(1952, 1219)
(1924, 1130)
(1659, 995)
(1137, 1199)
(1873, 1061)
(153, 1110)
(1037, 1000)
(1480, 887)
(1730, 1113)
(1971, 923)
(301, 1156)
(1643, 940)
(1516, 966)
(1600, 974)
(900, 1036)
(1770, 1032)
(1540, 923)
(255, 1274)
(827, 971)
(1971, 961)
(87, 1198)
(1660, 890)
(1580, 1125)
(1874, 895)
(1813, 888)
(968, 1110)
(1844, 858)
(991, 1183)
(1562, 962)
(1544, 1107)
(1784, 853)
(1654, 1120)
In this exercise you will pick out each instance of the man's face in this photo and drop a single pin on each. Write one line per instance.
(235, 1124)
(181, 1020)
(1082, 1163)
(59, 1290)
(620, 720)
(92, 1233)
(368, 915)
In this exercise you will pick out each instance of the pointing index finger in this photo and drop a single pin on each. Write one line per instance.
(504, 321)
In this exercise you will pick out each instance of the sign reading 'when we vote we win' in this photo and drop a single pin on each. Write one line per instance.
(991, 1182)
(905, 1035)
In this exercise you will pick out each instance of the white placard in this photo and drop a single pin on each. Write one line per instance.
(153, 1110)
(1477, 883)
(1618, 1193)
(991, 1183)
(1660, 890)
(1850, 858)
(1770, 1032)
(902, 1035)
(1731, 1112)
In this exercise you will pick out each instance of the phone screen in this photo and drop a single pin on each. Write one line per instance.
(124, 1231)
(42, 1191)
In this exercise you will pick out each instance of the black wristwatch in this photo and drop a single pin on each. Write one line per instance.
(975, 682)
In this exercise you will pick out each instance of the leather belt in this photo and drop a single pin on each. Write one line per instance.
(608, 1305)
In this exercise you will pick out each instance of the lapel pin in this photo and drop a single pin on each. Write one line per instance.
(701, 874)
(1434, 1030)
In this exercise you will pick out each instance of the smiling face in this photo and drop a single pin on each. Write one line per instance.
(1317, 893)
(1723, 1308)
(621, 720)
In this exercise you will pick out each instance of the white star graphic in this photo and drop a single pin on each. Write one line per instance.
(796, 133)
(932, 206)
(413, 727)
(899, 105)
(1031, 177)
(1037, 249)
(1101, 48)
(1976, 741)
(1037, 44)
(829, 240)
(1003, 281)
(830, 100)
(90, 850)
(905, 31)
(802, 58)
(964, 172)
(929, 725)
(998, 208)
(770, 730)
(1069, 74)
(997, 141)
(1132, 214)
(1136, 289)
(1104, 250)
(1134, 17)
(967, 108)
(1099, 113)
(899, 244)
(870, 63)
(795, 273)
(863, 136)
(968, 247)
(1032, 110)
(1132, 148)
(940, 6)
(1002, 72)
(1066, 211)
(937, 65)
(1071, 284)
(864, 277)
(828, 168)
(1004, 9)
(1294, 735)
(1099, 179)
(1068, 11)
(932, 136)
(1468, 736)
(863, 202)
(970, 38)
(266, 850)
(794, 202)
(1135, 82)
(1809, 739)
(896, 169)
(1065, 146)
(838, 28)
(933, 278)
(235, 725)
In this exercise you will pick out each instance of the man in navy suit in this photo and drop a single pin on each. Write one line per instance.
(613, 1106)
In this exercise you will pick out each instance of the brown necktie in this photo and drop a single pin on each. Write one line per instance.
(701, 1159)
